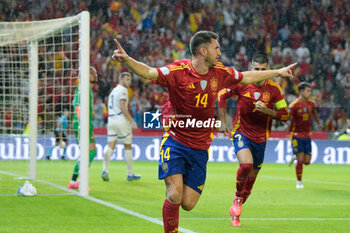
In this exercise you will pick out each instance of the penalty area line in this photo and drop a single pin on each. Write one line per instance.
(99, 201)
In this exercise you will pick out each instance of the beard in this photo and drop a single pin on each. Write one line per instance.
(211, 62)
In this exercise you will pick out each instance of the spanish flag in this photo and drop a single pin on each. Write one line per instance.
(195, 20)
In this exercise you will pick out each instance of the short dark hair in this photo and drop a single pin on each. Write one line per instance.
(260, 58)
(200, 38)
(303, 85)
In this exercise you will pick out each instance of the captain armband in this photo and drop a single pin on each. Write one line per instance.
(282, 111)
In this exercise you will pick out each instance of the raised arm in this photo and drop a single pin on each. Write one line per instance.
(136, 67)
(256, 76)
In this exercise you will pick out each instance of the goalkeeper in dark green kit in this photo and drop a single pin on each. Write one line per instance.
(73, 183)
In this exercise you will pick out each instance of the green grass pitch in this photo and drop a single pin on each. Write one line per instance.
(274, 206)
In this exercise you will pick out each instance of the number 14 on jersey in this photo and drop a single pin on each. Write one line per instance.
(203, 100)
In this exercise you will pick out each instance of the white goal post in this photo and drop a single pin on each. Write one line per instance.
(21, 45)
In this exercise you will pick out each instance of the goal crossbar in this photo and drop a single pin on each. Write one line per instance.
(16, 32)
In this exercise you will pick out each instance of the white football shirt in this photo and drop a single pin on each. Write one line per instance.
(118, 93)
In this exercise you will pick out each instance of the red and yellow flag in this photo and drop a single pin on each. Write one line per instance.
(195, 20)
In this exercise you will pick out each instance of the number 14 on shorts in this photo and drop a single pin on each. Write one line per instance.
(165, 155)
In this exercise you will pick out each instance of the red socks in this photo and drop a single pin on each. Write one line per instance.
(248, 187)
(299, 169)
(241, 176)
(170, 217)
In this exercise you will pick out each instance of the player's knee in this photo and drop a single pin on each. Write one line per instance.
(127, 146)
(187, 206)
(175, 197)
(174, 194)
(306, 162)
(109, 150)
(246, 167)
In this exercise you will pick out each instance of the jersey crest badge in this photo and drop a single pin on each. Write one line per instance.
(305, 109)
(256, 95)
(214, 84)
(203, 84)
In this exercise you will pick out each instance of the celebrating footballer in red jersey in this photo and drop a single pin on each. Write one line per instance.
(193, 86)
(301, 110)
(247, 119)
(193, 97)
(257, 105)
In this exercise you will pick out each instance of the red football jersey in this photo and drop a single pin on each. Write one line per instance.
(301, 123)
(192, 97)
(249, 121)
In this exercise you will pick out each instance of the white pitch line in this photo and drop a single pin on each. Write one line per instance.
(116, 207)
(306, 180)
(270, 219)
(41, 194)
(130, 212)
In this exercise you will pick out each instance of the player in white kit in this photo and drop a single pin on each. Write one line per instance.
(120, 126)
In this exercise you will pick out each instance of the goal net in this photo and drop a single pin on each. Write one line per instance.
(41, 65)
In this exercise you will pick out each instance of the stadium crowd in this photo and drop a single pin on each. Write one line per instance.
(313, 33)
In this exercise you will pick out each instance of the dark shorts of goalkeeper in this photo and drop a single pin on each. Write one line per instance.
(60, 136)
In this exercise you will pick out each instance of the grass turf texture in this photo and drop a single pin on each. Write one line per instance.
(274, 206)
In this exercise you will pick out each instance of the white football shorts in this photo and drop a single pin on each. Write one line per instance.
(119, 129)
